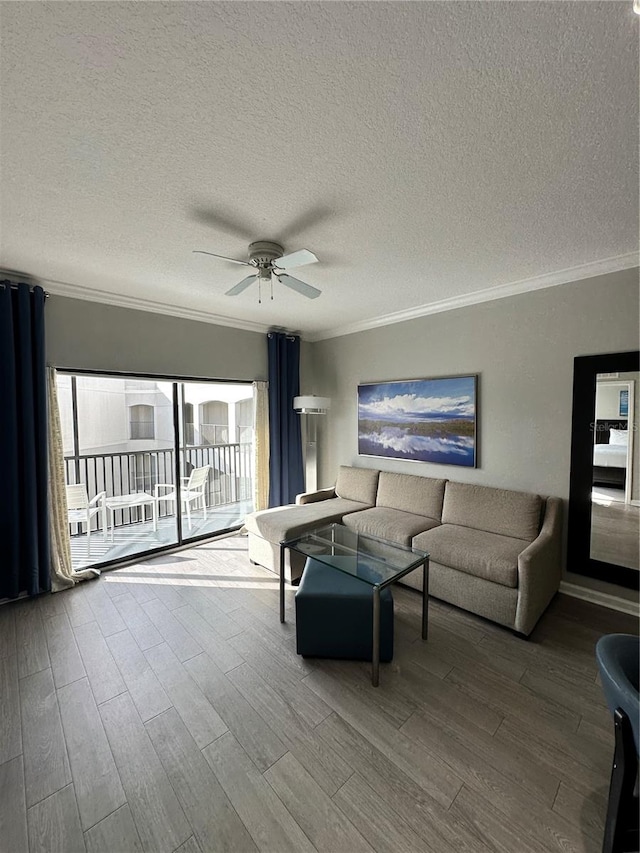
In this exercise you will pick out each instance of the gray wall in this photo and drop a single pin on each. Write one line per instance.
(92, 336)
(522, 347)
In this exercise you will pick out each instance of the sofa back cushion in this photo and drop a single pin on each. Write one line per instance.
(357, 484)
(419, 495)
(509, 513)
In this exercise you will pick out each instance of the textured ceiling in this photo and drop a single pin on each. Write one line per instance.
(424, 151)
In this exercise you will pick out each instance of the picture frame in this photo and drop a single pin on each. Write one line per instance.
(623, 406)
(420, 420)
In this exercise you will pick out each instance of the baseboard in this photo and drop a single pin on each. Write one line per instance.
(613, 602)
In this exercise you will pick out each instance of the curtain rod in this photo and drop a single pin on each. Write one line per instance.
(12, 286)
(288, 335)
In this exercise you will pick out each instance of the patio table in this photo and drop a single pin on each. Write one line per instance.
(130, 501)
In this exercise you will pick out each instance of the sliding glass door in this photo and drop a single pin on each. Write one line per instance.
(217, 434)
(162, 461)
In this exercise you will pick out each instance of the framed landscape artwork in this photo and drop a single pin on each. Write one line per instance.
(623, 409)
(423, 420)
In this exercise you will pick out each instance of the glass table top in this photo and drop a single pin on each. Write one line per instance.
(375, 561)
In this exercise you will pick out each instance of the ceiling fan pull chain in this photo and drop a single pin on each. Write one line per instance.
(271, 280)
(259, 291)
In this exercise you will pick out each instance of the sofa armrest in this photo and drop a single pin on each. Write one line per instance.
(540, 569)
(314, 497)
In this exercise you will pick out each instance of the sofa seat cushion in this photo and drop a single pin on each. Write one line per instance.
(503, 511)
(285, 522)
(391, 524)
(411, 493)
(475, 552)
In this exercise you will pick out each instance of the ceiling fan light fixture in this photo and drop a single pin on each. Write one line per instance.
(636, 6)
(268, 261)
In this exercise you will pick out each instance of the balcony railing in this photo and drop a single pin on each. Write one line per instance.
(230, 478)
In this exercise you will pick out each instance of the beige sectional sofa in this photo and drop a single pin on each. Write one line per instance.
(494, 552)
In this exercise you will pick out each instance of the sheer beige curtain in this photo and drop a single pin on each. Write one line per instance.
(261, 444)
(62, 573)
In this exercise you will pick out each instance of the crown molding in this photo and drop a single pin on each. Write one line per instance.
(553, 279)
(566, 276)
(120, 300)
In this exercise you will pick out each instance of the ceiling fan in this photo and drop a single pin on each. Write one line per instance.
(269, 261)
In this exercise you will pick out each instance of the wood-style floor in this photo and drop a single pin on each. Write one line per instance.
(163, 708)
(615, 533)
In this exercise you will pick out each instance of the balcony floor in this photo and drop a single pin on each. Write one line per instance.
(132, 539)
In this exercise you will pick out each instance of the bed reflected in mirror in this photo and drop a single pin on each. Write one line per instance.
(615, 494)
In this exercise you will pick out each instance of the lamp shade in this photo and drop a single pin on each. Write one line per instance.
(311, 405)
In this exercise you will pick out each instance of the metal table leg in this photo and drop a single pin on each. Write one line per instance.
(282, 583)
(375, 660)
(425, 598)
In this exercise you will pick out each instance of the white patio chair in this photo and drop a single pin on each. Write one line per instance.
(192, 489)
(80, 510)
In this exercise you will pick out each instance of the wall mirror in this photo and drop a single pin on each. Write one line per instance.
(604, 499)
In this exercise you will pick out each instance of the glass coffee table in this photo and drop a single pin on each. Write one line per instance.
(376, 562)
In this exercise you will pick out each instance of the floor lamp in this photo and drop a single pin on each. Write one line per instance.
(311, 406)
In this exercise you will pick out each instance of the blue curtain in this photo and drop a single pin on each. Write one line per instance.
(286, 474)
(24, 527)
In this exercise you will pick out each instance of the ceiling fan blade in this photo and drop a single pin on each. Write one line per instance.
(241, 285)
(299, 286)
(222, 257)
(296, 259)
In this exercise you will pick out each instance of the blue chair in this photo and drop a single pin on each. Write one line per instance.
(618, 657)
(334, 614)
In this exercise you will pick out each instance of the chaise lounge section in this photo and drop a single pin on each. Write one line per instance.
(355, 490)
(493, 552)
